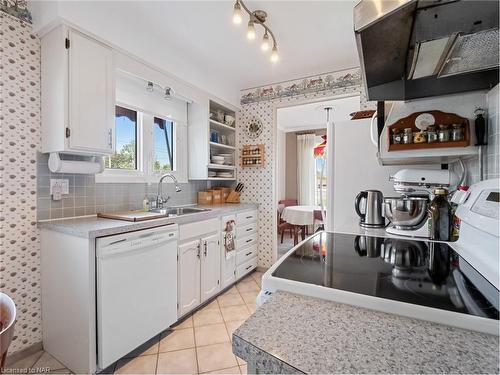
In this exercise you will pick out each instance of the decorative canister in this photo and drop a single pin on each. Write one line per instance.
(396, 137)
(444, 133)
(407, 136)
(457, 132)
(420, 137)
(431, 134)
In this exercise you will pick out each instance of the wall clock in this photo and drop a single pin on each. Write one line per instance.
(254, 128)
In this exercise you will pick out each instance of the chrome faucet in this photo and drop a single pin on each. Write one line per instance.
(160, 200)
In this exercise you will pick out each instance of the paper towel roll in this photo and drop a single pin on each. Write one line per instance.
(57, 165)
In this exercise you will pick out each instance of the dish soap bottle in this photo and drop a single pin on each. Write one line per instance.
(145, 204)
(440, 216)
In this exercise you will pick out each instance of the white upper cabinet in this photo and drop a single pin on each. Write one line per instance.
(78, 93)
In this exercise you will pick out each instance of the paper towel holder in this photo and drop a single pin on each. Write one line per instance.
(58, 165)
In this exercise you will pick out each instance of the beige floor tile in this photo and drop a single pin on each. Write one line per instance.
(230, 300)
(186, 323)
(48, 362)
(148, 348)
(178, 362)
(240, 361)
(232, 326)
(251, 307)
(248, 285)
(177, 340)
(211, 306)
(204, 317)
(231, 290)
(257, 276)
(250, 297)
(26, 362)
(231, 370)
(145, 364)
(243, 369)
(211, 334)
(215, 357)
(232, 313)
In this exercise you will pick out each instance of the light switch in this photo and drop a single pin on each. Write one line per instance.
(58, 187)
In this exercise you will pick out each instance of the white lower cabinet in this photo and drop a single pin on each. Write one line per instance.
(189, 276)
(198, 264)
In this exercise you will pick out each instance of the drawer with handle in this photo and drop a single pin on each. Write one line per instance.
(244, 218)
(247, 229)
(243, 242)
(245, 254)
(246, 267)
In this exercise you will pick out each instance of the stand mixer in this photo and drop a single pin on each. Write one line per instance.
(408, 213)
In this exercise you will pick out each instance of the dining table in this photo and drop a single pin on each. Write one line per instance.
(301, 216)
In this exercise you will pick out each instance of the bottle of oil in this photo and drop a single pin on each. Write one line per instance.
(440, 216)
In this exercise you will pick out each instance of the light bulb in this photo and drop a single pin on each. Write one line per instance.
(274, 54)
(251, 30)
(237, 13)
(265, 42)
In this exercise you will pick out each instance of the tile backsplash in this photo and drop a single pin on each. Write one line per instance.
(86, 197)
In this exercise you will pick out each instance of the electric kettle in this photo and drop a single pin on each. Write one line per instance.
(372, 215)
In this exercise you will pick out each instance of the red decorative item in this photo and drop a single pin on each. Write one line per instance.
(319, 150)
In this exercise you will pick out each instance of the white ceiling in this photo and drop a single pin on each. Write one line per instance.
(313, 116)
(197, 41)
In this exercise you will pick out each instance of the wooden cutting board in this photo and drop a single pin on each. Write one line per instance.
(131, 215)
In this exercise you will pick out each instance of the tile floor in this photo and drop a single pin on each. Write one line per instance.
(200, 344)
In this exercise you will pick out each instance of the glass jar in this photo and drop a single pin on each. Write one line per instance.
(396, 137)
(444, 133)
(420, 137)
(457, 133)
(431, 134)
(407, 136)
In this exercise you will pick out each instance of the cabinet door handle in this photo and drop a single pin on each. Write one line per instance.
(199, 250)
(205, 251)
(110, 138)
(249, 240)
(249, 229)
(247, 254)
(248, 268)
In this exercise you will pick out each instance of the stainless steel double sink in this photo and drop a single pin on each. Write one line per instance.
(179, 211)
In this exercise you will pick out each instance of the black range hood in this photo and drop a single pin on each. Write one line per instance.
(412, 49)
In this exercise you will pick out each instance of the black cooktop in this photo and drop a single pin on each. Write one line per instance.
(418, 272)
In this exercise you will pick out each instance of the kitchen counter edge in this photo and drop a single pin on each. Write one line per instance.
(93, 226)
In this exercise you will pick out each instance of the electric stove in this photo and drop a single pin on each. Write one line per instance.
(420, 279)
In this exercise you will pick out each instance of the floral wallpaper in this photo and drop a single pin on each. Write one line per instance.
(332, 82)
(19, 141)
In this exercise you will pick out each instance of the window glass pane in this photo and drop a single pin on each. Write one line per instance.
(125, 156)
(163, 145)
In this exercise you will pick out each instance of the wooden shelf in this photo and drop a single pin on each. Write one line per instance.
(251, 157)
(216, 125)
(220, 145)
(222, 166)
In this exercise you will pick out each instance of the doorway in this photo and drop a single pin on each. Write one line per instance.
(300, 142)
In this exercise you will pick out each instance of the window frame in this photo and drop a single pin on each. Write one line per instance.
(145, 151)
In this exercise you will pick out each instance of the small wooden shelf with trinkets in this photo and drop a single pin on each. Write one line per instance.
(252, 156)
(441, 118)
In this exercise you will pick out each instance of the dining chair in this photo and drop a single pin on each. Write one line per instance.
(283, 226)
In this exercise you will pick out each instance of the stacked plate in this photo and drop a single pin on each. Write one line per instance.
(212, 174)
(224, 174)
(218, 159)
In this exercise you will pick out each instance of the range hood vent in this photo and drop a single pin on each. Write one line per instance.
(418, 48)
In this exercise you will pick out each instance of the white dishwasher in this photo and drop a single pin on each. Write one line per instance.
(136, 289)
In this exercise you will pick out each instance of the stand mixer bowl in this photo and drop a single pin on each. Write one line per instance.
(406, 213)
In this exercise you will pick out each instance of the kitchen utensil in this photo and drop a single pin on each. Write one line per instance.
(406, 212)
(480, 127)
(372, 215)
(218, 159)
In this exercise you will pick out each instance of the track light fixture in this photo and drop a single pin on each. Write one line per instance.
(256, 17)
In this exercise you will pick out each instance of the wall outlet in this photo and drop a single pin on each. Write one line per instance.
(58, 187)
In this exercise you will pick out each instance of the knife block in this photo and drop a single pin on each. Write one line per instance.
(233, 197)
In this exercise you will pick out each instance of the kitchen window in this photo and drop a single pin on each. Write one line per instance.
(163, 145)
(150, 134)
(125, 156)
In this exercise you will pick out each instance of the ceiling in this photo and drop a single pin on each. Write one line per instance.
(312, 116)
(207, 49)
